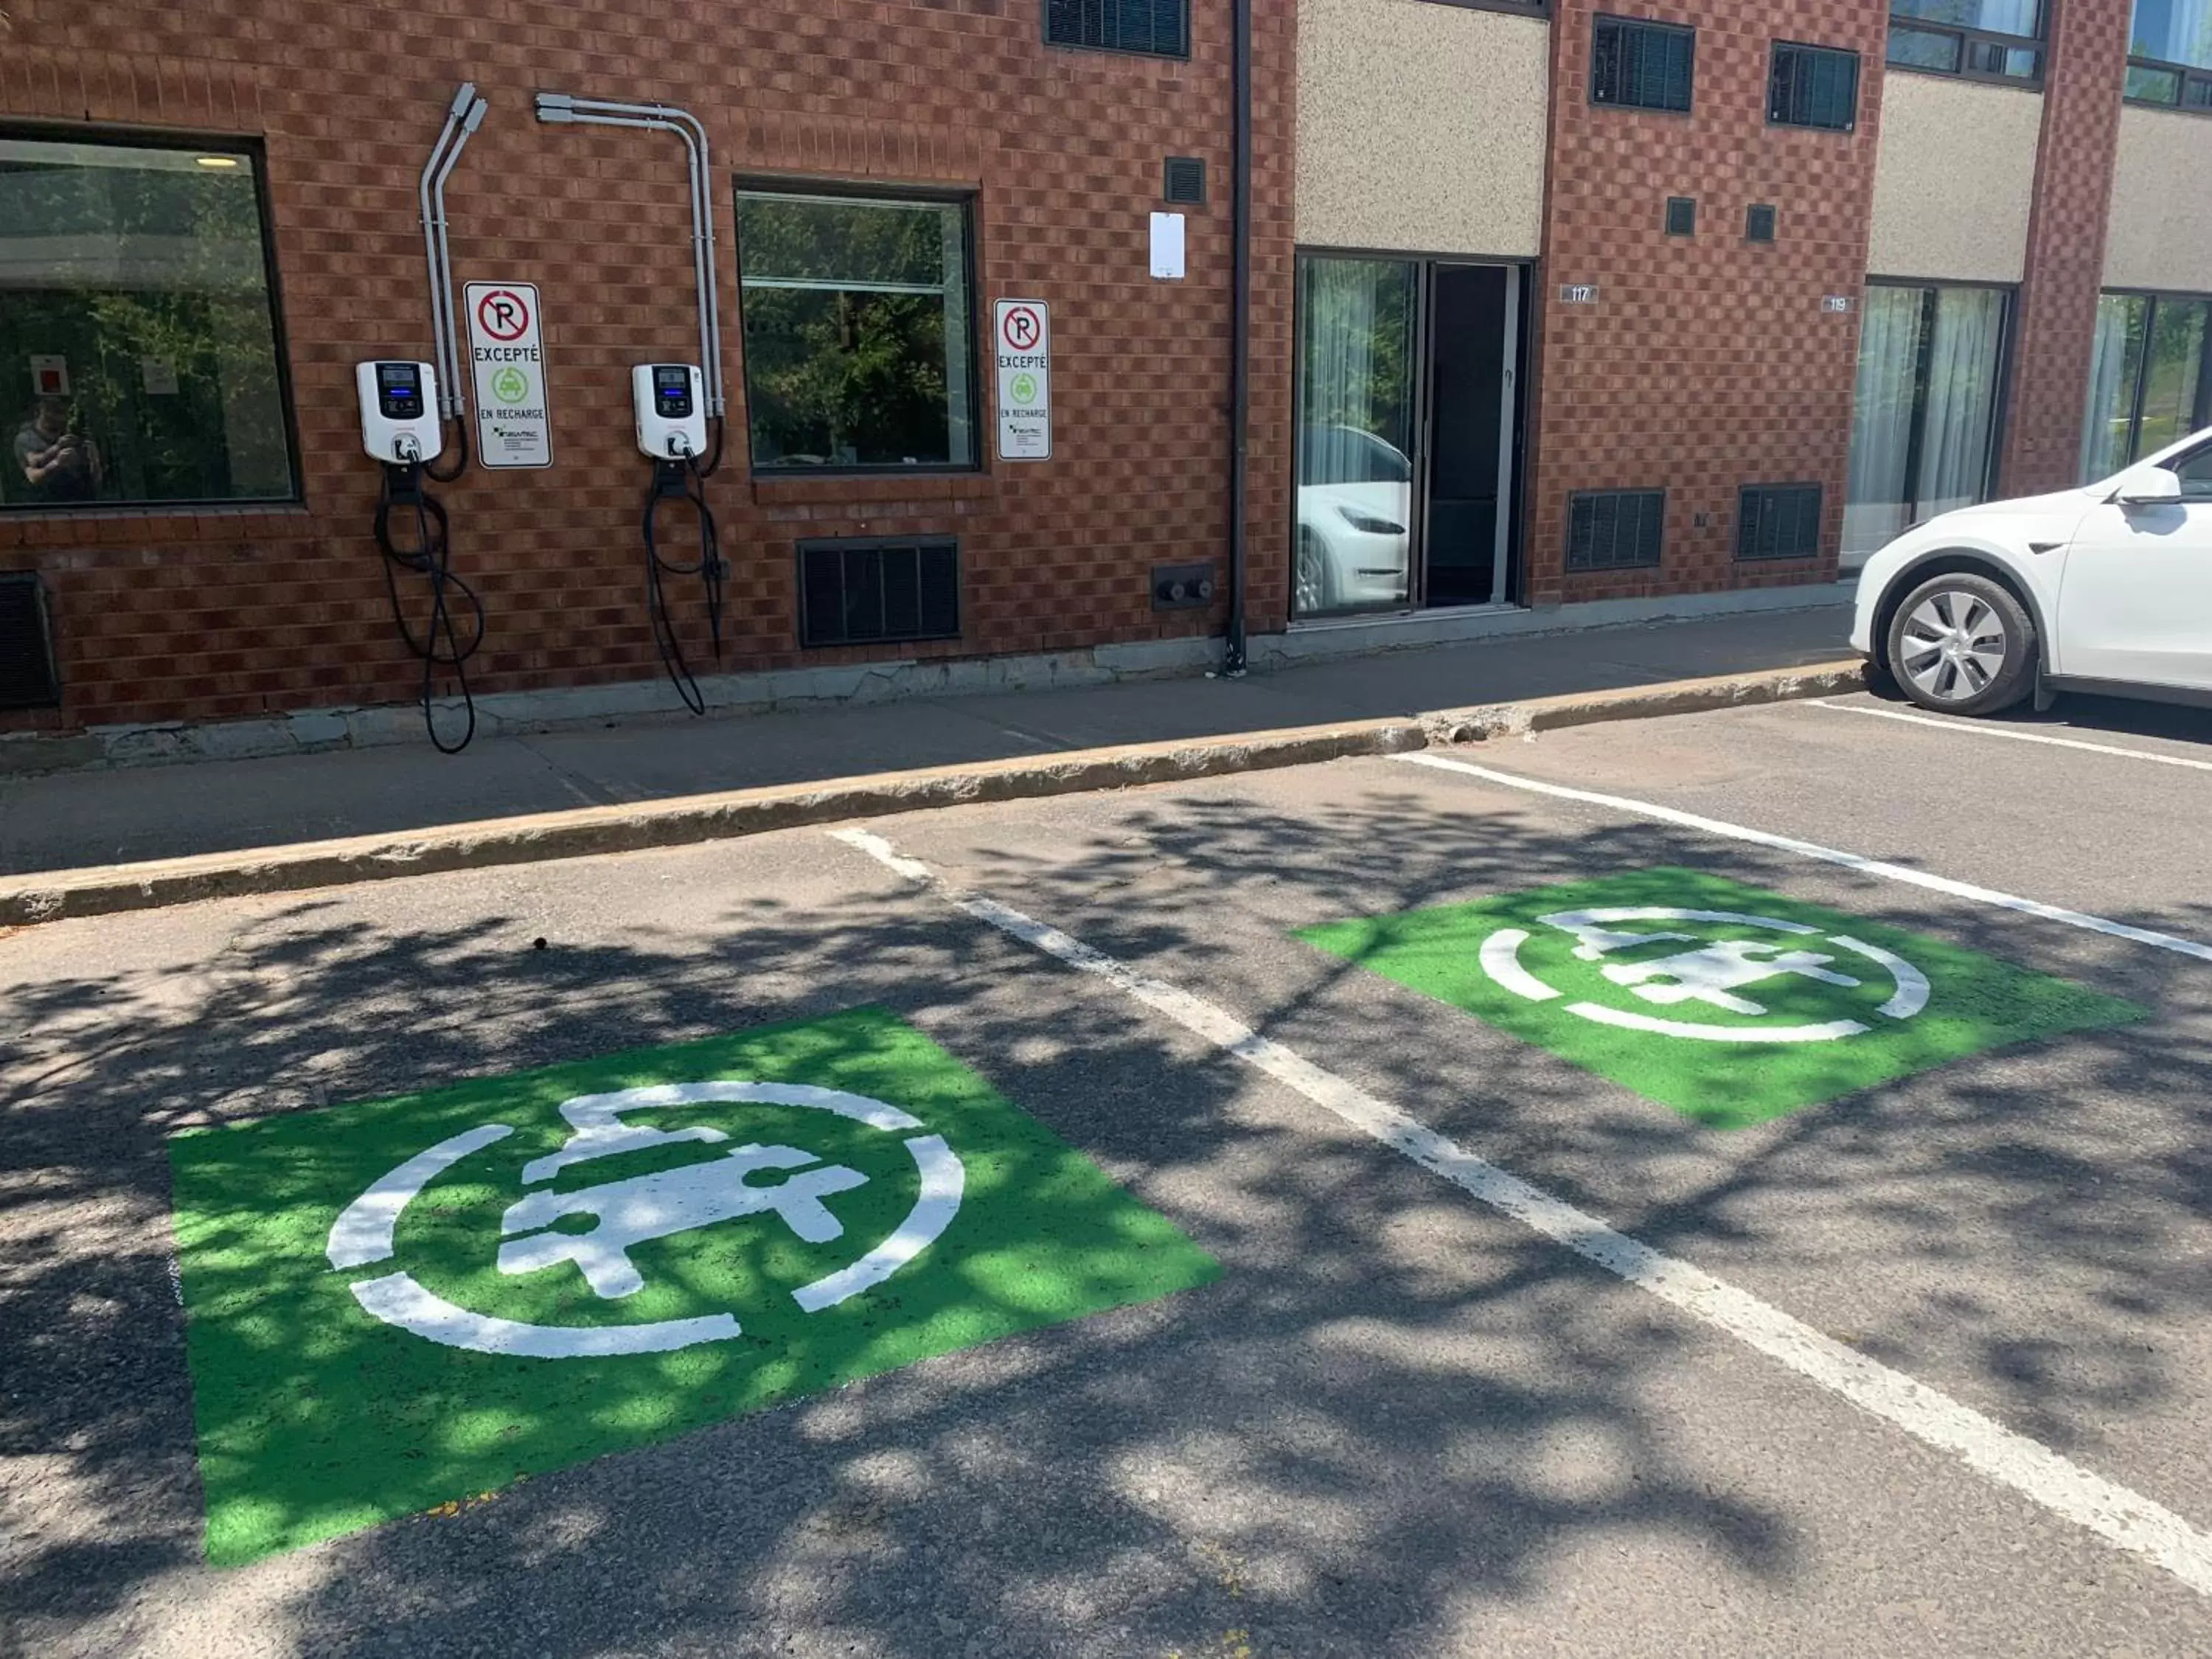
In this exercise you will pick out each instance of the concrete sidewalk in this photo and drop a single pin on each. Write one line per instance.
(64, 821)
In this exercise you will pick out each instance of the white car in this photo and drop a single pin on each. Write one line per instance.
(1355, 493)
(2107, 588)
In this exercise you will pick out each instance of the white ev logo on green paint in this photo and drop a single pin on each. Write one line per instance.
(1732, 956)
(539, 1231)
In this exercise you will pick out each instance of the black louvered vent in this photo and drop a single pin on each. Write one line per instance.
(26, 649)
(1185, 183)
(1758, 224)
(1779, 521)
(1615, 529)
(1157, 27)
(1681, 216)
(852, 593)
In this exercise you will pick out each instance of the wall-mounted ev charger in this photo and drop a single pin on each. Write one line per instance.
(671, 411)
(399, 424)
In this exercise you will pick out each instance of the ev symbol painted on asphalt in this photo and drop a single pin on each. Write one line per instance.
(503, 315)
(592, 1230)
(1727, 958)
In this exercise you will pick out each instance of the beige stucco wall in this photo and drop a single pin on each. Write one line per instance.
(1420, 127)
(2161, 230)
(1955, 178)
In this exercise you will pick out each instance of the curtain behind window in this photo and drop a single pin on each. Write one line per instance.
(1962, 388)
(1874, 507)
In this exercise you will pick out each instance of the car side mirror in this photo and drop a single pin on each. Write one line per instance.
(2148, 486)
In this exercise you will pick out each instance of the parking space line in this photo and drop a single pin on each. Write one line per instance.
(1971, 729)
(2121, 1517)
(1889, 872)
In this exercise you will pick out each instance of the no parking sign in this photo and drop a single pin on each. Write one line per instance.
(1021, 334)
(507, 365)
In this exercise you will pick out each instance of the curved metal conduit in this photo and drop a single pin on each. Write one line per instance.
(465, 115)
(559, 108)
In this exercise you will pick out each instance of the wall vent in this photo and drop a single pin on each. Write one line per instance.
(1615, 529)
(27, 679)
(1185, 181)
(858, 591)
(1779, 521)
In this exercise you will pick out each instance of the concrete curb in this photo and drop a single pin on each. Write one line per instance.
(107, 889)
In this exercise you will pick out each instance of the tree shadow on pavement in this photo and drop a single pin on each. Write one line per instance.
(1392, 1415)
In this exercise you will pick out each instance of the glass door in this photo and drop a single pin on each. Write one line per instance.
(1407, 457)
(1358, 350)
(1924, 418)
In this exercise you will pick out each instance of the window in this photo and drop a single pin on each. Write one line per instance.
(1779, 521)
(1642, 65)
(1925, 421)
(1988, 40)
(1615, 529)
(1681, 216)
(2195, 474)
(858, 352)
(1812, 87)
(860, 592)
(1158, 27)
(2150, 384)
(137, 343)
(2170, 54)
(1759, 223)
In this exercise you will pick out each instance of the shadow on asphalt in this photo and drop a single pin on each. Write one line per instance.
(1335, 1443)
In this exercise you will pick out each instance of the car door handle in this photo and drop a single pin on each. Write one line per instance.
(2044, 547)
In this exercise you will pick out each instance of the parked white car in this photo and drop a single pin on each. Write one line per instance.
(1355, 493)
(2106, 588)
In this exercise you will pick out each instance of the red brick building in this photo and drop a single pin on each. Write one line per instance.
(1548, 307)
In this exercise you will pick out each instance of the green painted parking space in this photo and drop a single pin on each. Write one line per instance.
(1729, 1003)
(400, 1304)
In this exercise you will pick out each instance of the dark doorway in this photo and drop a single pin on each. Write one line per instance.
(1470, 505)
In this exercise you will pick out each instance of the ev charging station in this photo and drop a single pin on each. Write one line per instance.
(405, 405)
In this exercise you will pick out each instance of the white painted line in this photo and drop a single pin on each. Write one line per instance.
(2124, 1519)
(1903, 872)
(1976, 729)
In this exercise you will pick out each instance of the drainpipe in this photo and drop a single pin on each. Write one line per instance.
(1240, 342)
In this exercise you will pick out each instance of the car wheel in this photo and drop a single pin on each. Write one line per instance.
(1315, 590)
(1961, 644)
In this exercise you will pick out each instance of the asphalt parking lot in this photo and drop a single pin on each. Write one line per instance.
(1734, 1184)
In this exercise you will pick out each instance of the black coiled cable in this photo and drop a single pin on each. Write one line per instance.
(440, 645)
(683, 480)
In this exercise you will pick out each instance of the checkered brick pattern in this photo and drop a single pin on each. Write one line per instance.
(2084, 72)
(210, 615)
(1708, 362)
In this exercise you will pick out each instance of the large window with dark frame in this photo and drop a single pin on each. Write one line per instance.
(1157, 28)
(859, 351)
(138, 357)
(1924, 418)
(2150, 378)
(1985, 40)
(1812, 87)
(2170, 54)
(1635, 64)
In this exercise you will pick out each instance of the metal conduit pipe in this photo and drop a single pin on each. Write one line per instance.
(1240, 346)
(461, 119)
(451, 371)
(558, 108)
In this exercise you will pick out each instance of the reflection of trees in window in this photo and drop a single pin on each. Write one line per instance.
(1356, 343)
(144, 270)
(856, 332)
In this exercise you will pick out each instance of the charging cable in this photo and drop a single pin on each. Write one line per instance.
(682, 477)
(440, 645)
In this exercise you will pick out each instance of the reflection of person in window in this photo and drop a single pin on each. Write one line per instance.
(58, 462)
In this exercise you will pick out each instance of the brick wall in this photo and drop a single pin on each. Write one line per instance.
(209, 614)
(1708, 362)
(2056, 334)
